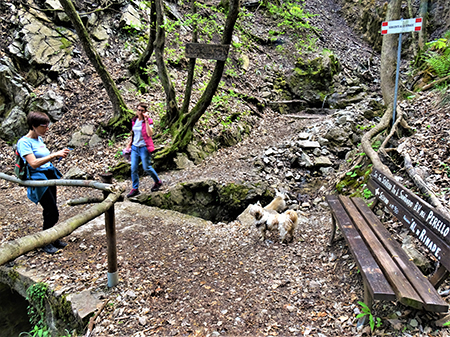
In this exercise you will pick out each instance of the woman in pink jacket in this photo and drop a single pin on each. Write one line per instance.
(141, 145)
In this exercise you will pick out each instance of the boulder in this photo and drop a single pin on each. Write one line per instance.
(15, 125)
(130, 18)
(50, 103)
(79, 139)
(322, 161)
(13, 86)
(40, 44)
(77, 174)
(182, 161)
(312, 78)
(337, 136)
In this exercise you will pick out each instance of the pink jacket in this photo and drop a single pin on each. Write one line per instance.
(148, 140)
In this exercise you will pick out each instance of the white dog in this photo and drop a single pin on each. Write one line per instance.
(278, 203)
(268, 219)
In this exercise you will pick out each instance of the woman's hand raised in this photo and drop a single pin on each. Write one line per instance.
(62, 153)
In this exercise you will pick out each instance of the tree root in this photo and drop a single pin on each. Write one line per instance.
(393, 129)
(90, 329)
(367, 144)
(422, 186)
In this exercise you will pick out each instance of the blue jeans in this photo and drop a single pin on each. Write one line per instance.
(141, 154)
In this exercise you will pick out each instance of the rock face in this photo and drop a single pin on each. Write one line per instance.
(39, 43)
(16, 100)
(312, 79)
(15, 95)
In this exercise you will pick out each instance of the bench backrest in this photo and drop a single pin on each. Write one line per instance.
(425, 222)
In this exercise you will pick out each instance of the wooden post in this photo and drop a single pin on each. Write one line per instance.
(110, 226)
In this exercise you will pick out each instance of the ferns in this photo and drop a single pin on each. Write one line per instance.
(437, 55)
(439, 63)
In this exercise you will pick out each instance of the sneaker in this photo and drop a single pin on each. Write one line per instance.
(50, 249)
(134, 192)
(59, 244)
(157, 186)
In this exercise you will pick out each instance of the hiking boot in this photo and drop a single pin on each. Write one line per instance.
(157, 186)
(134, 192)
(59, 244)
(50, 249)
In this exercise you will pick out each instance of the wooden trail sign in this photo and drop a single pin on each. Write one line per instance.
(422, 210)
(425, 223)
(207, 51)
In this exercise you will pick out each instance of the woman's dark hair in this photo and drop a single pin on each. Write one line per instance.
(143, 105)
(35, 118)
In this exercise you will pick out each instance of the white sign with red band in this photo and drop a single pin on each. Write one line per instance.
(401, 26)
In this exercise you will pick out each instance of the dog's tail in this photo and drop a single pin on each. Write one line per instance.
(293, 218)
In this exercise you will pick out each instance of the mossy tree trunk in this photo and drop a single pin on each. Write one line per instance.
(138, 67)
(121, 115)
(182, 127)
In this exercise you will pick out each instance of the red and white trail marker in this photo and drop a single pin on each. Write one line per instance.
(401, 26)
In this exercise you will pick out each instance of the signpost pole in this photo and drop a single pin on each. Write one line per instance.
(399, 27)
(399, 52)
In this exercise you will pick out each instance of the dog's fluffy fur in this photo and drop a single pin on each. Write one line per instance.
(268, 219)
(278, 203)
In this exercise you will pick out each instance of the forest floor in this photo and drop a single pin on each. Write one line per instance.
(183, 276)
(180, 275)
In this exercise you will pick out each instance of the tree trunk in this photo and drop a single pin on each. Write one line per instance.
(423, 13)
(172, 111)
(389, 55)
(138, 67)
(413, 35)
(191, 66)
(185, 124)
(120, 113)
(13, 249)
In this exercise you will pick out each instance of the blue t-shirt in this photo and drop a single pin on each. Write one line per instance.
(37, 147)
(27, 146)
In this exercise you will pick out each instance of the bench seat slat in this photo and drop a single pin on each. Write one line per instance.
(406, 294)
(431, 299)
(377, 283)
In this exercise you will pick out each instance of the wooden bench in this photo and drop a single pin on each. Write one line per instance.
(387, 271)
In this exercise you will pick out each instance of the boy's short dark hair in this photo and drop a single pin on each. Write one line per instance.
(35, 118)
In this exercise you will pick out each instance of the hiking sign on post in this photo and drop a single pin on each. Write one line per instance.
(399, 27)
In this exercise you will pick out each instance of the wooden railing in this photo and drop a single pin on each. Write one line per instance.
(111, 193)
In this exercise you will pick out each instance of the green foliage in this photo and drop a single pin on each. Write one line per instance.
(352, 174)
(376, 145)
(374, 322)
(446, 169)
(364, 127)
(36, 295)
(367, 194)
(289, 15)
(437, 55)
(37, 332)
